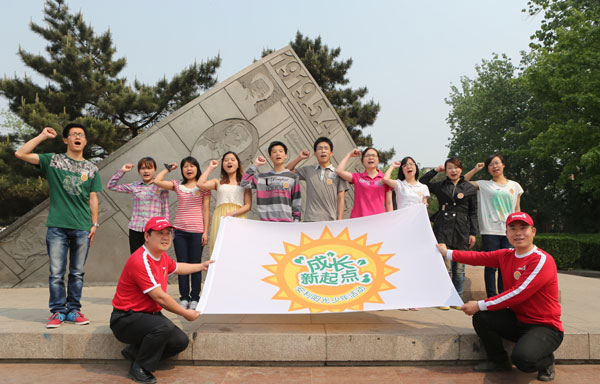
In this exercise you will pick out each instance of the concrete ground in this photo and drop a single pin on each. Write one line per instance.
(426, 346)
(117, 373)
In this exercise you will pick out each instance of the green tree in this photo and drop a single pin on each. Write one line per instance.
(20, 185)
(83, 83)
(542, 116)
(487, 112)
(565, 80)
(330, 73)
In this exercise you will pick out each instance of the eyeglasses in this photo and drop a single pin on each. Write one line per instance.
(371, 155)
(77, 134)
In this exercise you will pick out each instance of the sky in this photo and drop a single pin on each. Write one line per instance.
(407, 53)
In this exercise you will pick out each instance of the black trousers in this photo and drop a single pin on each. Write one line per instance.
(136, 240)
(534, 346)
(152, 336)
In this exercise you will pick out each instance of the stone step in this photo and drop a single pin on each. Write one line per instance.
(393, 337)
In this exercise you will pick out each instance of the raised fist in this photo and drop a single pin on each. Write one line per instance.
(214, 163)
(396, 164)
(127, 167)
(480, 166)
(48, 133)
(304, 154)
(439, 168)
(260, 160)
(355, 152)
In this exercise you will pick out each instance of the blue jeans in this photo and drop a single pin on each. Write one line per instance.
(188, 249)
(457, 275)
(60, 241)
(493, 243)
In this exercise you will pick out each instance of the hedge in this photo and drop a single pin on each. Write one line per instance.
(565, 249)
(570, 251)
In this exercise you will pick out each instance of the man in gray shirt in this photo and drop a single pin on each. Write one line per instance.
(325, 191)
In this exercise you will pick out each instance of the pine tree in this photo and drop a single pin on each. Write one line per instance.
(330, 73)
(83, 83)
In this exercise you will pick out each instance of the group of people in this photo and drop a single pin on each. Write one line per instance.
(526, 274)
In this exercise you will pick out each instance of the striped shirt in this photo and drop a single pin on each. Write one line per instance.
(278, 196)
(530, 283)
(148, 200)
(190, 204)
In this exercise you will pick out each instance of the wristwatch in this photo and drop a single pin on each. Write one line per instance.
(96, 225)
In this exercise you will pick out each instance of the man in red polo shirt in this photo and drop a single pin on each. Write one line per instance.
(527, 312)
(136, 318)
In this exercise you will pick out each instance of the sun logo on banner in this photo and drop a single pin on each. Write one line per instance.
(331, 273)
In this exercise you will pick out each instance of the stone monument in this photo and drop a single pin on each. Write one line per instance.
(273, 99)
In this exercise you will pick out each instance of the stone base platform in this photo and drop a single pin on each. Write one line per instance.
(380, 337)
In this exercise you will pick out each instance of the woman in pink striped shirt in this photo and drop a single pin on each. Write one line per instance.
(191, 224)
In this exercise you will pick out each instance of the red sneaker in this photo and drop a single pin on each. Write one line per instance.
(55, 320)
(76, 318)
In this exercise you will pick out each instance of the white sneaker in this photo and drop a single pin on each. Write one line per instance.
(193, 305)
(185, 304)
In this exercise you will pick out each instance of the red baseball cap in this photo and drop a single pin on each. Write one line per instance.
(519, 216)
(157, 223)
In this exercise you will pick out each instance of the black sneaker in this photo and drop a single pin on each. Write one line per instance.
(546, 374)
(492, 366)
(140, 375)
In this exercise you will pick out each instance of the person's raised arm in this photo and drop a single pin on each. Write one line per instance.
(159, 179)
(203, 182)
(303, 155)
(472, 172)
(249, 178)
(341, 168)
(387, 178)
(426, 179)
(113, 182)
(25, 151)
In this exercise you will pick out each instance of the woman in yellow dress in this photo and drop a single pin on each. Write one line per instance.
(232, 200)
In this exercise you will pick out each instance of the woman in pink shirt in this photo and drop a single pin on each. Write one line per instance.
(191, 224)
(371, 195)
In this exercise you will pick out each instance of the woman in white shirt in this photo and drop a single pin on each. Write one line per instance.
(498, 198)
(409, 191)
(232, 199)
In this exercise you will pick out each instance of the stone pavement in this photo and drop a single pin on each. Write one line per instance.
(428, 336)
(117, 373)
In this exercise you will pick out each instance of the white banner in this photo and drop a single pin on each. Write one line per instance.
(386, 261)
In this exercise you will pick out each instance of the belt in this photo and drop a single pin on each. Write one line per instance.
(132, 311)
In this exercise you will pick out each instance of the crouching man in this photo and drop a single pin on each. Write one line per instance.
(141, 294)
(527, 312)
